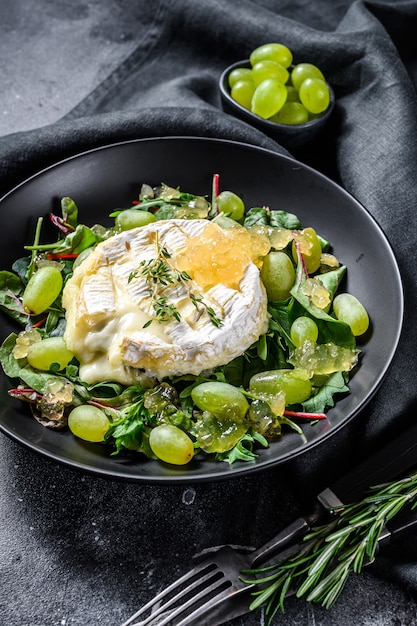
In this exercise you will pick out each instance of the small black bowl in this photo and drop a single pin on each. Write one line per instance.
(290, 136)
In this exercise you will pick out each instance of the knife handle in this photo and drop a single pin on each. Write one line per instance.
(388, 463)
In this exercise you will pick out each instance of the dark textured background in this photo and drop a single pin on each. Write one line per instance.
(80, 551)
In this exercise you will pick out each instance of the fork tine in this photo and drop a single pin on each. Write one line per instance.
(181, 611)
(194, 579)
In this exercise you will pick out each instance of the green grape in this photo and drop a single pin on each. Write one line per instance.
(291, 113)
(348, 309)
(43, 354)
(300, 72)
(221, 399)
(242, 92)
(88, 422)
(315, 95)
(303, 328)
(171, 444)
(310, 247)
(269, 97)
(292, 94)
(230, 204)
(269, 69)
(42, 290)
(239, 73)
(272, 51)
(133, 218)
(81, 257)
(294, 383)
(278, 275)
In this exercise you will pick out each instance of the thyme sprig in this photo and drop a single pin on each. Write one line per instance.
(159, 273)
(332, 551)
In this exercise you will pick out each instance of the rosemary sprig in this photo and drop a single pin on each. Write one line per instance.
(332, 551)
(159, 273)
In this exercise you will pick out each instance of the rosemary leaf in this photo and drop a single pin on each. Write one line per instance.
(332, 551)
(326, 556)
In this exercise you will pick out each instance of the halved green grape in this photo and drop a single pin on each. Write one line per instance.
(291, 113)
(269, 69)
(315, 95)
(43, 354)
(42, 290)
(348, 309)
(242, 93)
(278, 275)
(221, 399)
(303, 328)
(239, 73)
(300, 72)
(294, 383)
(88, 422)
(133, 218)
(269, 97)
(171, 444)
(272, 51)
(230, 204)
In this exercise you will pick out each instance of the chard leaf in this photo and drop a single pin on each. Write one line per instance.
(331, 330)
(282, 219)
(331, 280)
(11, 290)
(13, 368)
(69, 211)
(78, 240)
(263, 215)
(81, 239)
(10, 365)
(256, 215)
(21, 268)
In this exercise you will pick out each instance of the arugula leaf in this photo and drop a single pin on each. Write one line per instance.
(131, 431)
(324, 398)
(243, 449)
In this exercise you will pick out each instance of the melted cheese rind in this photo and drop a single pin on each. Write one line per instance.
(106, 312)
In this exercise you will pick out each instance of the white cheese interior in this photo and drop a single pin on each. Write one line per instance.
(106, 312)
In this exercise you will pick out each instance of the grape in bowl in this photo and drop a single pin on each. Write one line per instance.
(292, 126)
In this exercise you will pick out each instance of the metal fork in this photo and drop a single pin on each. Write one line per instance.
(213, 586)
(212, 592)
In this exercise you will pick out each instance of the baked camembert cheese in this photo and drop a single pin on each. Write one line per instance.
(206, 306)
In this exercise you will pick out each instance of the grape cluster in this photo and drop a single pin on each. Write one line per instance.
(278, 91)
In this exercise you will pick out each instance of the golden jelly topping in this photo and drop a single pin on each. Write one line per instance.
(222, 255)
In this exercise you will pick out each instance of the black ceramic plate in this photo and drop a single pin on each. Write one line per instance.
(110, 177)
